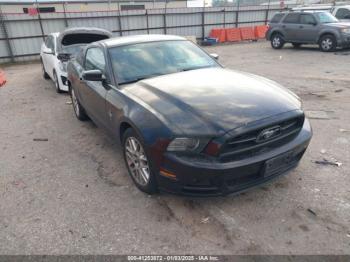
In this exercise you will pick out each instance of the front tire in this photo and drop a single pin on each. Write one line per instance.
(327, 43)
(277, 41)
(78, 109)
(138, 163)
(56, 82)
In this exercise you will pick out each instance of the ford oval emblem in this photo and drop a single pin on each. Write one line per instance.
(268, 134)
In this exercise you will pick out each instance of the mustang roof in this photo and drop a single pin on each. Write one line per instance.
(125, 40)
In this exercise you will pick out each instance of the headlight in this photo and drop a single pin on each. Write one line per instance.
(63, 67)
(187, 144)
(345, 30)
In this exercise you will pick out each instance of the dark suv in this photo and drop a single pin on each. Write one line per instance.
(308, 27)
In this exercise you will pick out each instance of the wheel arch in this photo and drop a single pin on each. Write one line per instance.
(276, 32)
(326, 33)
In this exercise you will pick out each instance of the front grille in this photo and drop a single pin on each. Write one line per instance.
(249, 143)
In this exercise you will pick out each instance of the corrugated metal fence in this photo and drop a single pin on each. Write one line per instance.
(21, 34)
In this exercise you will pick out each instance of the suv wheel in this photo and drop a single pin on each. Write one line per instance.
(277, 41)
(328, 43)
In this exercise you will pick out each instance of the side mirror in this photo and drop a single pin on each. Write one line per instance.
(64, 57)
(215, 56)
(312, 23)
(93, 75)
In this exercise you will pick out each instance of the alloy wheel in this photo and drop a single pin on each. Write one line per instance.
(327, 44)
(137, 161)
(276, 41)
(75, 103)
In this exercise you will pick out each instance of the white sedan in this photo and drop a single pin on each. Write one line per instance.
(59, 47)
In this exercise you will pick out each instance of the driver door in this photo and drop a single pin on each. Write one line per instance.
(93, 93)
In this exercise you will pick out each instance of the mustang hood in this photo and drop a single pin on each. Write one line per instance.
(211, 101)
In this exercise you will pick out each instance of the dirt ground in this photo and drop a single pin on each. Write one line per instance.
(72, 194)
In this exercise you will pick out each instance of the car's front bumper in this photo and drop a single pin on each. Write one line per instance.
(197, 178)
(63, 81)
(344, 40)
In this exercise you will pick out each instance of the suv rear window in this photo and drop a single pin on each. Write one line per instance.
(276, 18)
(292, 18)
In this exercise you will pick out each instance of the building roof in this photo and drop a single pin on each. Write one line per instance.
(135, 39)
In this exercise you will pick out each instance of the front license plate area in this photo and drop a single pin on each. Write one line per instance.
(278, 163)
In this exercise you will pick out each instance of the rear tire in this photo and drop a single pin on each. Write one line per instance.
(296, 45)
(78, 109)
(327, 43)
(138, 163)
(277, 41)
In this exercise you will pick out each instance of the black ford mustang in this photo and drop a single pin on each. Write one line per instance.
(186, 124)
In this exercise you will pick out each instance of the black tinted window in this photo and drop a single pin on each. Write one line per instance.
(94, 59)
(343, 13)
(276, 18)
(292, 18)
(307, 19)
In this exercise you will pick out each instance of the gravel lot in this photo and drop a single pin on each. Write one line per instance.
(72, 194)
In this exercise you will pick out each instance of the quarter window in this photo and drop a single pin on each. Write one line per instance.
(276, 18)
(292, 18)
(95, 59)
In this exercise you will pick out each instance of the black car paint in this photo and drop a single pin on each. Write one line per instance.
(159, 111)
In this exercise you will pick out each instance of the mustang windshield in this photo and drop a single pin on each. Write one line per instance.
(135, 62)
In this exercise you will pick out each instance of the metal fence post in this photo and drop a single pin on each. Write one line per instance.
(267, 13)
(203, 23)
(8, 43)
(65, 15)
(224, 10)
(237, 15)
(120, 21)
(164, 21)
(40, 22)
(147, 22)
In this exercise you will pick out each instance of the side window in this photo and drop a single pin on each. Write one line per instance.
(307, 19)
(276, 18)
(292, 18)
(343, 13)
(95, 59)
(50, 42)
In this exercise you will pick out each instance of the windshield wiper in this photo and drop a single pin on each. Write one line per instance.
(193, 68)
(138, 79)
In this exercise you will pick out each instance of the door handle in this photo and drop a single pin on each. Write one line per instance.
(301, 26)
(283, 26)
